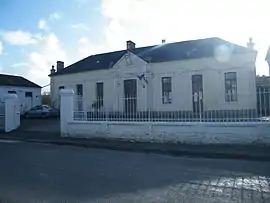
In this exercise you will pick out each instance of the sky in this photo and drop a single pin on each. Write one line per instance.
(35, 34)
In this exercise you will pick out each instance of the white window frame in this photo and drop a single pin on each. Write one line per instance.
(230, 88)
(166, 95)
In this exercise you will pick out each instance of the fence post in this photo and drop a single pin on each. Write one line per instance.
(66, 109)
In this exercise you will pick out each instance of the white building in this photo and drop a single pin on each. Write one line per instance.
(199, 75)
(29, 93)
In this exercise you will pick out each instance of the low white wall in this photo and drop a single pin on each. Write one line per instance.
(199, 133)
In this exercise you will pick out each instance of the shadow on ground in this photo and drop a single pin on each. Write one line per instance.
(37, 128)
(56, 174)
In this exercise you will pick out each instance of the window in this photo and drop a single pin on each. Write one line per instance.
(28, 94)
(79, 93)
(230, 87)
(12, 92)
(99, 94)
(60, 88)
(79, 90)
(166, 90)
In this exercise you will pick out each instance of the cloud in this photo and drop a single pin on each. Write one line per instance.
(86, 48)
(160, 19)
(18, 65)
(147, 22)
(54, 16)
(177, 20)
(1, 48)
(19, 37)
(42, 24)
(80, 26)
(39, 62)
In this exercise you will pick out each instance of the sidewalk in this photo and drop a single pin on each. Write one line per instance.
(249, 152)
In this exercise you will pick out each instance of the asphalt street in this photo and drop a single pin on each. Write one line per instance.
(32, 172)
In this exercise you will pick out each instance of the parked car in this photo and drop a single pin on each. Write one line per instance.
(42, 111)
(53, 111)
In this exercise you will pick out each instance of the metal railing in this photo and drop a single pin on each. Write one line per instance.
(134, 110)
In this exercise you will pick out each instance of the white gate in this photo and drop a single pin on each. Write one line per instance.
(9, 113)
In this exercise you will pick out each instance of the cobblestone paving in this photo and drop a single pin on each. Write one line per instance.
(34, 173)
(222, 189)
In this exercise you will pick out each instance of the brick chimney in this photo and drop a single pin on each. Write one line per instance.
(59, 65)
(130, 45)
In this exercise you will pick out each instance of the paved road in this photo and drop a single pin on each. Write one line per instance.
(49, 125)
(46, 173)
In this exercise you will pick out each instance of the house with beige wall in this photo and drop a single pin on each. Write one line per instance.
(197, 76)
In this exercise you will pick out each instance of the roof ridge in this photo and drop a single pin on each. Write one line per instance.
(181, 50)
(150, 46)
(11, 75)
(16, 80)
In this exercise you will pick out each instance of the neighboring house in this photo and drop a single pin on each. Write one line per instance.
(263, 90)
(28, 92)
(199, 75)
(263, 95)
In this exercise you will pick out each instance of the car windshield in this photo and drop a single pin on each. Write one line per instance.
(36, 107)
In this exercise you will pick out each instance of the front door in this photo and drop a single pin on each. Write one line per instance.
(130, 95)
(28, 101)
(197, 93)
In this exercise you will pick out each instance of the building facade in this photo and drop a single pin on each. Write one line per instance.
(29, 93)
(196, 76)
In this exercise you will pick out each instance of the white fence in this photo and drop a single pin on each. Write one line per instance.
(130, 110)
(131, 121)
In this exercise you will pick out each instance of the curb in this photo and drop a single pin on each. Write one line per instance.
(130, 147)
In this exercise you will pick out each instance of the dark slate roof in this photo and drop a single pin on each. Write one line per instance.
(12, 80)
(158, 53)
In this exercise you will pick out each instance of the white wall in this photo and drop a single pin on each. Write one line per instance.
(213, 82)
(113, 83)
(232, 133)
(181, 73)
(25, 102)
(191, 133)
